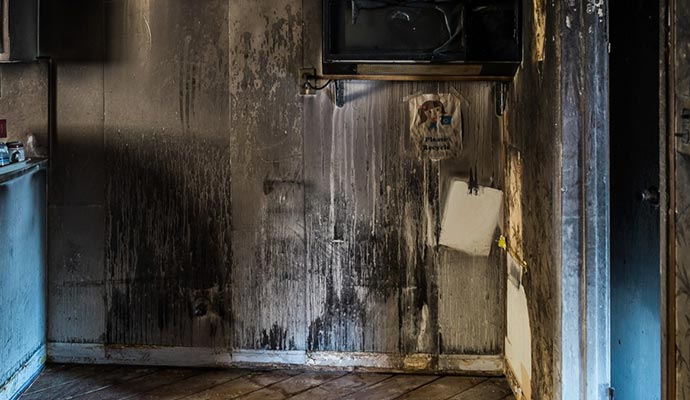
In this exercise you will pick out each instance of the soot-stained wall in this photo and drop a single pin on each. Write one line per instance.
(558, 195)
(214, 207)
(680, 297)
(532, 134)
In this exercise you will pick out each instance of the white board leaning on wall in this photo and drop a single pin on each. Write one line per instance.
(470, 220)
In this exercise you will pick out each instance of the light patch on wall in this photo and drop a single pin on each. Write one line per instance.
(514, 203)
(539, 30)
(518, 347)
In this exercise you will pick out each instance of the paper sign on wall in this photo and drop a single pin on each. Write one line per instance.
(470, 220)
(436, 125)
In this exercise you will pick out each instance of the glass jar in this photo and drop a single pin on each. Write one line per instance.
(4, 154)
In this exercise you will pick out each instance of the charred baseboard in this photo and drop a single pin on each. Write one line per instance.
(490, 365)
(86, 353)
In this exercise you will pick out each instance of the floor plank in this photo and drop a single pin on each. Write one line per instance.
(444, 388)
(341, 387)
(292, 386)
(91, 383)
(242, 386)
(193, 385)
(53, 376)
(491, 389)
(392, 387)
(79, 382)
(129, 389)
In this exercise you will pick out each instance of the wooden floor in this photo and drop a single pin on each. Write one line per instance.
(112, 383)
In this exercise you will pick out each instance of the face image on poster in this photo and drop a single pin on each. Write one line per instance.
(436, 125)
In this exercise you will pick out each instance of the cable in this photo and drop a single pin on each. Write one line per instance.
(312, 87)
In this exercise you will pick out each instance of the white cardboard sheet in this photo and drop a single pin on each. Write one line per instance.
(470, 220)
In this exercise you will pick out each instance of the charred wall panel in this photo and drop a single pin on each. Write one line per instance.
(532, 134)
(471, 288)
(378, 281)
(76, 276)
(168, 256)
(233, 213)
(268, 190)
(681, 85)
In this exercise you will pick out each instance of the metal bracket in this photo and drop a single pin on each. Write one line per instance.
(305, 74)
(683, 127)
(339, 94)
(500, 97)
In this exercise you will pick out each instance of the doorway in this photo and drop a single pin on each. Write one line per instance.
(635, 226)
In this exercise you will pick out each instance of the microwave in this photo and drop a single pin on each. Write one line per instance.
(420, 39)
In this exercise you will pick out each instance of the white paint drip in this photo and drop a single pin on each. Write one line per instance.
(423, 326)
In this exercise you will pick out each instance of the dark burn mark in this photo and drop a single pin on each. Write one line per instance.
(276, 339)
(339, 313)
(394, 260)
(168, 225)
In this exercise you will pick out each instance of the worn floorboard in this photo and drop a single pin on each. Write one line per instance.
(64, 382)
(341, 387)
(192, 386)
(97, 380)
(54, 377)
(444, 388)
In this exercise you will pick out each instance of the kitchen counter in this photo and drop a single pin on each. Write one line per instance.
(9, 172)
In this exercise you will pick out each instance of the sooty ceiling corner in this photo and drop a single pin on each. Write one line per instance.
(18, 22)
(72, 30)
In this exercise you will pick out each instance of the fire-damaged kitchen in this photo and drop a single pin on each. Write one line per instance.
(344, 199)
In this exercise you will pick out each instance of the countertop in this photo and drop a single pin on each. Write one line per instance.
(9, 172)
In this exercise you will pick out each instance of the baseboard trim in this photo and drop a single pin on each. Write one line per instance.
(24, 376)
(485, 364)
(211, 357)
(85, 353)
(273, 357)
(491, 365)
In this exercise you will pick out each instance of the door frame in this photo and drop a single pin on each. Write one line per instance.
(667, 190)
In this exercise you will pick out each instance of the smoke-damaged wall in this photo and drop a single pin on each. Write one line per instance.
(24, 103)
(680, 297)
(198, 201)
(557, 145)
(532, 135)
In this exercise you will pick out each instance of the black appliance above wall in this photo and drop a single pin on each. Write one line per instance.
(422, 39)
(72, 31)
(19, 30)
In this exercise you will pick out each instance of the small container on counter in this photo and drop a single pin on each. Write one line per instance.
(16, 150)
(4, 155)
